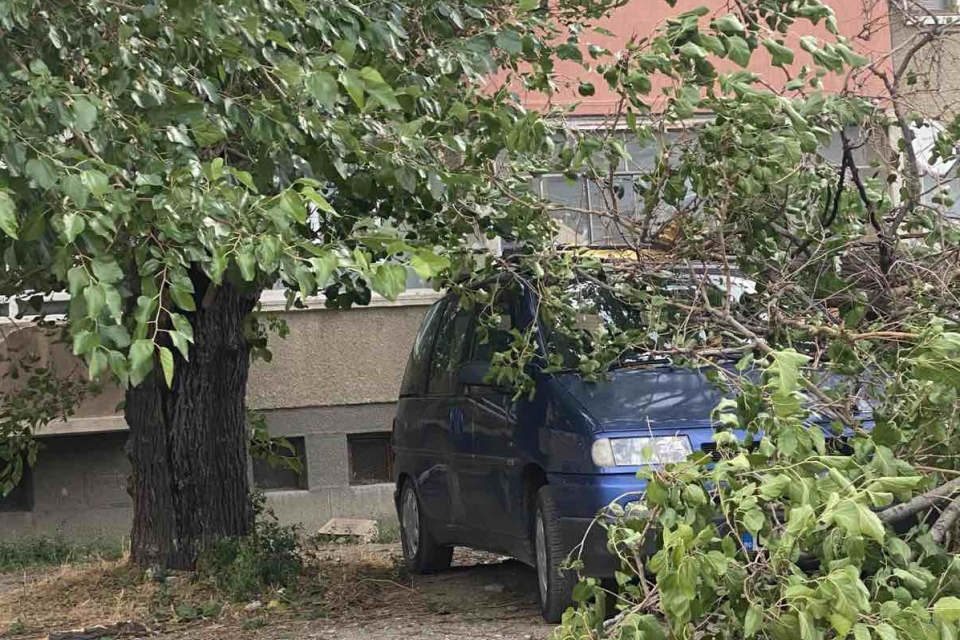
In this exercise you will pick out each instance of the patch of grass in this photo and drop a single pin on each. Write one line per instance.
(387, 533)
(38, 551)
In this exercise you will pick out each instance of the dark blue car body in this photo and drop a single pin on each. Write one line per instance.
(477, 458)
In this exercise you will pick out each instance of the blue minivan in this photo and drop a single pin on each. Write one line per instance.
(526, 478)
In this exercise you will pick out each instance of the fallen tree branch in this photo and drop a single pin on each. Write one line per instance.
(926, 500)
(941, 528)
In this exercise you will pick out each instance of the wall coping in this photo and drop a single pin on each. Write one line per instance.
(274, 300)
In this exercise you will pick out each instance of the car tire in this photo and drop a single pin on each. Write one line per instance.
(555, 587)
(420, 552)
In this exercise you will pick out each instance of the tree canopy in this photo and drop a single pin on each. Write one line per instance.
(156, 156)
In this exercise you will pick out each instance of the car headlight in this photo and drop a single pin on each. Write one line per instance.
(637, 452)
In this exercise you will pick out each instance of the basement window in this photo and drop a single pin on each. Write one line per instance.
(21, 498)
(371, 460)
(274, 474)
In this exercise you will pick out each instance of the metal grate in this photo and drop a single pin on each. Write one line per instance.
(371, 459)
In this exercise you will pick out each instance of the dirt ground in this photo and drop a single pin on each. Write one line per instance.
(361, 592)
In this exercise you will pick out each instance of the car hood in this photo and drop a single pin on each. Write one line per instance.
(647, 398)
(664, 397)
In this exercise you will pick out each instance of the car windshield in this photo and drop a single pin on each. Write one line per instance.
(598, 308)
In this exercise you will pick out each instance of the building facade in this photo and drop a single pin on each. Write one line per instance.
(331, 386)
(330, 390)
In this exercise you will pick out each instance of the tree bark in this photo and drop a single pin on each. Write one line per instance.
(188, 443)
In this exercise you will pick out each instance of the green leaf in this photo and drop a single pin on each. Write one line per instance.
(84, 342)
(781, 55)
(323, 88)
(428, 264)
(389, 280)
(885, 632)
(96, 298)
(247, 262)
(42, 172)
(857, 519)
(106, 269)
(292, 205)
(510, 41)
(752, 621)
(738, 50)
(528, 5)
(181, 343)
(713, 44)
(807, 627)
(95, 181)
(141, 360)
(377, 87)
(77, 279)
(323, 267)
(85, 113)
(316, 198)
(117, 334)
(33, 227)
(182, 326)
(728, 25)
(74, 188)
(861, 631)
(947, 609)
(8, 216)
(352, 81)
(73, 226)
(693, 50)
(166, 363)
(841, 624)
(183, 299)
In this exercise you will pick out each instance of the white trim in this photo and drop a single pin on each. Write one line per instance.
(270, 300)
(945, 19)
(915, 17)
(589, 123)
(93, 424)
(274, 300)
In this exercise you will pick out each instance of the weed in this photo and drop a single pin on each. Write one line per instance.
(34, 551)
(253, 623)
(387, 533)
(16, 627)
(244, 567)
(186, 612)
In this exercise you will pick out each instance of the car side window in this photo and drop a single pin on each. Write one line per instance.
(449, 351)
(415, 375)
(488, 340)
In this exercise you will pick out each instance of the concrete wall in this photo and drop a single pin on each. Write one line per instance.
(936, 93)
(337, 373)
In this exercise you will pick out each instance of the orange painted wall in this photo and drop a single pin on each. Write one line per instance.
(864, 21)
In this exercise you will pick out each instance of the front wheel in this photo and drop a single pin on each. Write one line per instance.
(555, 585)
(420, 552)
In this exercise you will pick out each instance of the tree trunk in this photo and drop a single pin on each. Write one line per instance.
(188, 444)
